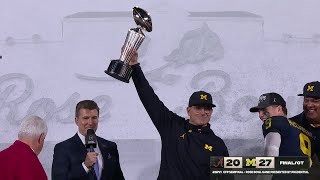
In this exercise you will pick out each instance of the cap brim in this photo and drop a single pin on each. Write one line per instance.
(210, 105)
(309, 95)
(256, 108)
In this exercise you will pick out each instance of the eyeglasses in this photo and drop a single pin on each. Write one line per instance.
(199, 109)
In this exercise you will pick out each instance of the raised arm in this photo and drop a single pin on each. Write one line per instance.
(160, 115)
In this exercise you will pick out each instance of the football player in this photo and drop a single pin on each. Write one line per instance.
(282, 137)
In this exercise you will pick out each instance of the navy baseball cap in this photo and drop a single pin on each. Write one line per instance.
(268, 99)
(201, 98)
(311, 89)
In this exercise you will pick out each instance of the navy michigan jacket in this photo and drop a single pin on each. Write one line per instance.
(186, 149)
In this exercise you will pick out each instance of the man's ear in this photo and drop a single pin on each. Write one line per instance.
(41, 138)
(280, 109)
(188, 110)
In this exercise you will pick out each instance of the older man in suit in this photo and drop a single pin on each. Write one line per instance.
(71, 159)
(20, 161)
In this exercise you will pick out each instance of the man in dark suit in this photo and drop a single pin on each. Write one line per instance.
(71, 159)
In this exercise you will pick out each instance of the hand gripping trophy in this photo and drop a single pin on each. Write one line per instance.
(120, 68)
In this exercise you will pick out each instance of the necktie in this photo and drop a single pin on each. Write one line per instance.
(96, 169)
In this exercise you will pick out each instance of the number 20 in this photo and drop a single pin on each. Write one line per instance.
(235, 162)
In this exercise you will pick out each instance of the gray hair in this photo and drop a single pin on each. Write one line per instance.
(32, 126)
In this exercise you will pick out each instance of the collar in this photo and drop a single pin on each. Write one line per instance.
(82, 138)
(199, 129)
(23, 144)
(315, 125)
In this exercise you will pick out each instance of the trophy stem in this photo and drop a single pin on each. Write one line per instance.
(133, 41)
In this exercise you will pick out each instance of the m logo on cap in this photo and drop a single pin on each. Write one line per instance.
(203, 97)
(310, 88)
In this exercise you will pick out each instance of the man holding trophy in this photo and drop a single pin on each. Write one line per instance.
(187, 144)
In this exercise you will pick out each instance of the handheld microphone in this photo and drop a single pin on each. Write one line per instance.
(90, 143)
(90, 140)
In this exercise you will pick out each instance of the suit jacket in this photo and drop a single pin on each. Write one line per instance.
(69, 155)
(19, 162)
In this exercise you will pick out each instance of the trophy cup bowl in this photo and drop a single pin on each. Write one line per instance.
(120, 68)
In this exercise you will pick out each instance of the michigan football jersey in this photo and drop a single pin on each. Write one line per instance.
(295, 140)
(301, 119)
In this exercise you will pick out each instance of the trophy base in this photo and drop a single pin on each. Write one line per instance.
(119, 70)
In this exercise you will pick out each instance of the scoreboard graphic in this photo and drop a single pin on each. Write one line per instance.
(259, 165)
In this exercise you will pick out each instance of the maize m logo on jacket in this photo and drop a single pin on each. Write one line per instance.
(206, 146)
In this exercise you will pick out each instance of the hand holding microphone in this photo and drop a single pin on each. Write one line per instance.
(90, 143)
